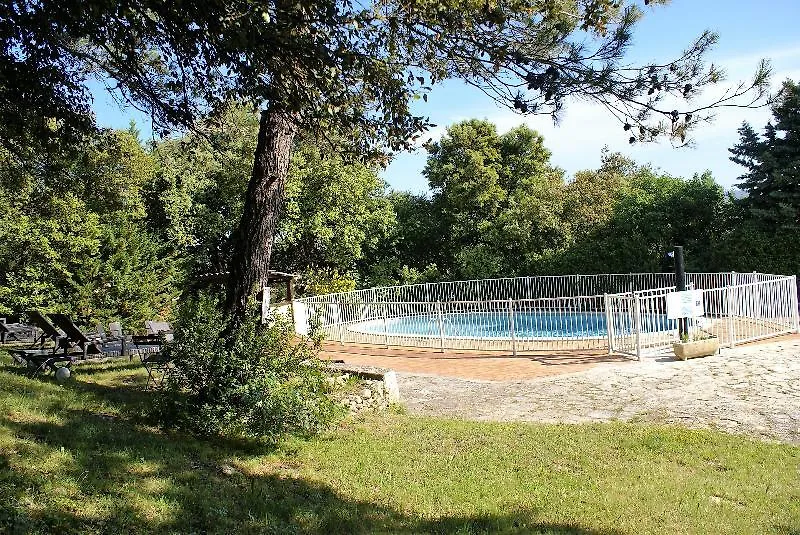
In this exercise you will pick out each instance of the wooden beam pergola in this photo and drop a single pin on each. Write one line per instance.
(273, 277)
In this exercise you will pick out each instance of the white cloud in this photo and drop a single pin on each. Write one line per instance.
(742, 65)
(585, 128)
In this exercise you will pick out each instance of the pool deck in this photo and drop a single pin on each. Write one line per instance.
(473, 365)
(496, 366)
(750, 389)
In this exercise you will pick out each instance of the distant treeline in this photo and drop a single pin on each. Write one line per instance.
(114, 229)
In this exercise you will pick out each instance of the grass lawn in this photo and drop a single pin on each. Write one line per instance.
(80, 458)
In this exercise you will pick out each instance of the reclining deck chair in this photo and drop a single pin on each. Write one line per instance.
(49, 331)
(114, 336)
(16, 332)
(89, 346)
(143, 344)
(159, 327)
(149, 346)
(115, 328)
(40, 359)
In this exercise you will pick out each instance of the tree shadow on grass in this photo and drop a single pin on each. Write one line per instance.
(118, 364)
(128, 394)
(67, 468)
(90, 473)
(81, 368)
(94, 474)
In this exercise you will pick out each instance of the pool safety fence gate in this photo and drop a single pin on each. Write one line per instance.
(621, 313)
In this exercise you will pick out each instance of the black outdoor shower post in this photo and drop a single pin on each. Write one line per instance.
(680, 285)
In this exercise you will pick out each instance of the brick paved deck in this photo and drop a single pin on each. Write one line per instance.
(480, 365)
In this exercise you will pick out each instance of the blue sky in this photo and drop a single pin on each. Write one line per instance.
(748, 30)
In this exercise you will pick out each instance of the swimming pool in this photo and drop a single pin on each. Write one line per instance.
(520, 325)
(549, 313)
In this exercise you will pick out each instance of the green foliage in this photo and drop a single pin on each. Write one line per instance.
(73, 237)
(415, 276)
(592, 195)
(629, 217)
(335, 214)
(136, 280)
(772, 181)
(326, 281)
(748, 246)
(498, 199)
(197, 196)
(343, 66)
(412, 247)
(253, 382)
(45, 247)
(348, 70)
(499, 209)
(111, 173)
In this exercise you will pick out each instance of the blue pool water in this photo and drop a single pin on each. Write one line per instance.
(494, 325)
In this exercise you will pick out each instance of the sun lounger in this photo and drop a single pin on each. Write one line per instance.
(159, 327)
(115, 328)
(43, 360)
(77, 338)
(37, 348)
(16, 332)
(49, 331)
(155, 327)
(114, 336)
(40, 359)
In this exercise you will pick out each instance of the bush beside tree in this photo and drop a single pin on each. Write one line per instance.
(252, 381)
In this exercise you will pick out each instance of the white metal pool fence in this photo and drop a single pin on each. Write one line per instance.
(621, 313)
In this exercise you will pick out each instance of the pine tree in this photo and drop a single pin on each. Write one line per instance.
(772, 181)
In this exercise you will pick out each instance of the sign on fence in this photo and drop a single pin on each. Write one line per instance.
(688, 304)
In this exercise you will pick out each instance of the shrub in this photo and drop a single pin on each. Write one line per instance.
(327, 281)
(254, 382)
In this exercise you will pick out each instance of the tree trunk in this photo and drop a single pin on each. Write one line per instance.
(252, 241)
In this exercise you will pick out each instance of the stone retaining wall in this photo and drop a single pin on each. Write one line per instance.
(377, 387)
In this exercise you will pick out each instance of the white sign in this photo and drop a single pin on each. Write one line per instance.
(301, 322)
(688, 304)
(265, 296)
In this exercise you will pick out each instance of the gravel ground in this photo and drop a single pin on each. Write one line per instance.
(752, 390)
